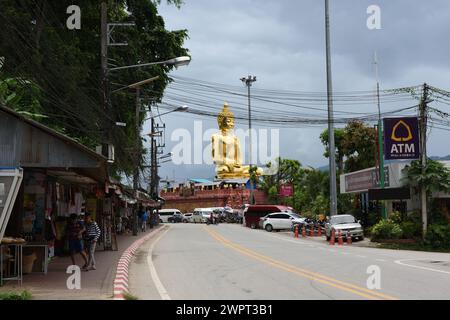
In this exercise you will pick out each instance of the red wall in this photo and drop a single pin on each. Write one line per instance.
(234, 198)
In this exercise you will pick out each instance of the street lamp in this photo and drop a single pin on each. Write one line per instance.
(179, 109)
(154, 159)
(331, 141)
(248, 82)
(177, 62)
(137, 86)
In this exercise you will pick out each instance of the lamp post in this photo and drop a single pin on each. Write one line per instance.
(177, 62)
(137, 148)
(380, 139)
(248, 82)
(331, 144)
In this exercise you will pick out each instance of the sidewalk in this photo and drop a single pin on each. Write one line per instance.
(95, 284)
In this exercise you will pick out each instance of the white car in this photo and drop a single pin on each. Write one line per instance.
(187, 217)
(345, 223)
(280, 220)
(201, 215)
(165, 214)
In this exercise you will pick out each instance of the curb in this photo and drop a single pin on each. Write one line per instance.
(121, 278)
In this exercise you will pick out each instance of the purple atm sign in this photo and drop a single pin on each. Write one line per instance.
(401, 138)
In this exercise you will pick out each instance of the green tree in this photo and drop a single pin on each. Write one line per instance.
(435, 178)
(65, 64)
(338, 140)
(356, 146)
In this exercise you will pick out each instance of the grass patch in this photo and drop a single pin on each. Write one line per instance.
(413, 247)
(129, 296)
(24, 295)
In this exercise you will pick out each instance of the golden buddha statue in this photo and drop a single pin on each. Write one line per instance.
(226, 152)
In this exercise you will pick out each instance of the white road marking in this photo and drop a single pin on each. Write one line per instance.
(381, 260)
(400, 262)
(158, 284)
(359, 256)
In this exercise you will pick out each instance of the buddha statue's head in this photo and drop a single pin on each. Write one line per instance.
(225, 119)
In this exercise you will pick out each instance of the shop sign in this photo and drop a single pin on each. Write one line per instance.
(401, 138)
(365, 180)
(286, 190)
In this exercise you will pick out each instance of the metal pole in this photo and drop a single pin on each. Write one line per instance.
(250, 137)
(248, 82)
(380, 140)
(104, 75)
(423, 144)
(153, 156)
(333, 188)
(136, 158)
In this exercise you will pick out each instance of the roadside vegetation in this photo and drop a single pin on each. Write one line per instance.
(24, 295)
(356, 150)
(129, 296)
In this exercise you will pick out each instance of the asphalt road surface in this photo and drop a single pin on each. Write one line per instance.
(226, 261)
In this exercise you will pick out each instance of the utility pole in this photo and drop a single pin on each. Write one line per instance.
(423, 147)
(380, 139)
(248, 82)
(331, 144)
(154, 153)
(104, 75)
(137, 154)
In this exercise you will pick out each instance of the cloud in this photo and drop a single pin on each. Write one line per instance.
(283, 44)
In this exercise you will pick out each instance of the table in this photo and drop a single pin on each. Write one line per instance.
(45, 259)
(17, 258)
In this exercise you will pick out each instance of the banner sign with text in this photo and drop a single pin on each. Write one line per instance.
(401, 138)
(286, 190)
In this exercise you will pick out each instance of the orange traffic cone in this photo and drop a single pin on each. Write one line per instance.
(303, 232)
(340, 241)
(296, 231)
(311, 231)
(319, 231)
(349, 238)
(333, 236)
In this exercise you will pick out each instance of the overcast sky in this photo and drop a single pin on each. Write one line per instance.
(283, 44)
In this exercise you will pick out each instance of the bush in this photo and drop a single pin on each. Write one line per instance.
(373, 218)
(396, 217)
(415, 216)
(24, 295)
(386, 229)
(411, 229)
(438, 236)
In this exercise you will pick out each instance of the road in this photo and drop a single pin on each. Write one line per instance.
(195, 261)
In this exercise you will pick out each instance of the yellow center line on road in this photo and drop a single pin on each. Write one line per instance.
(360, 291)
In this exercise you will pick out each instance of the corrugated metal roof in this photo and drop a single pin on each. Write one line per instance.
(52, 132)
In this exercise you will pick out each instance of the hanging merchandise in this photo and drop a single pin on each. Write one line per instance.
(78, 201)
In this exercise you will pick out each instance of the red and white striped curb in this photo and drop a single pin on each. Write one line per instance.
(121, 280)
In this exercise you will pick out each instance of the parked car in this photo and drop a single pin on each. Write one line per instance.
(345, 223)
(177, 217)
(280, 221)
(165, 214)
(187, 217)
(253, 213)
(201, 215)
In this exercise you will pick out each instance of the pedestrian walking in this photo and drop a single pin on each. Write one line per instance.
(92, 236)
(144, 220)
(74, 233)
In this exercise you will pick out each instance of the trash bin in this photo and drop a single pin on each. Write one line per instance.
(28, 263)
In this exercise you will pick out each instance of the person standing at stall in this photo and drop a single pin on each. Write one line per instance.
(92, 235)
(74, 234)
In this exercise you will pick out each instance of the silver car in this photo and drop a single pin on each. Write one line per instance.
(345, 223)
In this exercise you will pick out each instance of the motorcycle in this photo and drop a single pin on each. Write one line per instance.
(214, 221)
